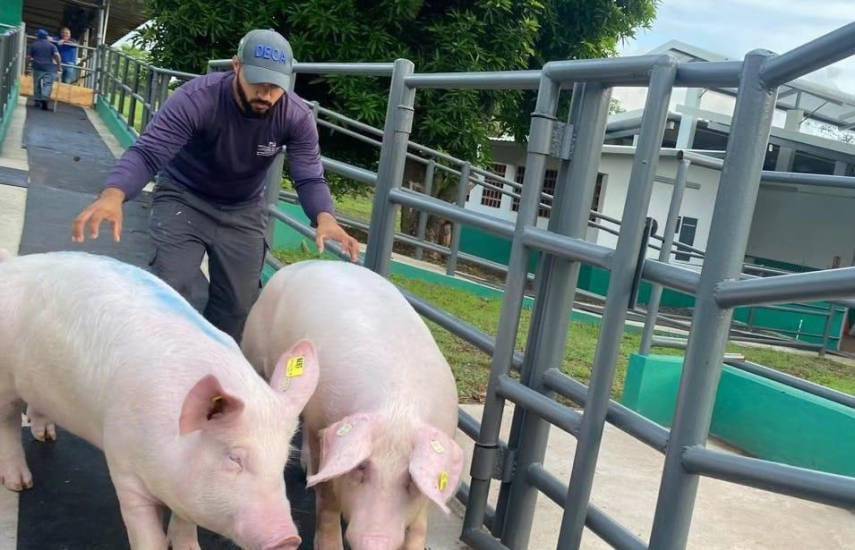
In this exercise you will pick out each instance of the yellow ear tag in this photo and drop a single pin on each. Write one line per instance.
(437, 447)
(294, 367)
(443, 481)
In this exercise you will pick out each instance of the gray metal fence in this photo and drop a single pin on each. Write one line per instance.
(517, 465)
(11, 65)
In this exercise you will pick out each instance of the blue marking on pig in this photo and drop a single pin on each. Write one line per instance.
(167, 297)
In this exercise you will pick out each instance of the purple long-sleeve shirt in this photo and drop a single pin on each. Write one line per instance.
(201, 140)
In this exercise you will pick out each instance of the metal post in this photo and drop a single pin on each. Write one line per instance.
(556, 291)
(664, 253)
(731, 222)
(752, 311)
(423, 216)
(148, 108)
(649, 229)
(456, 228)
(826, 331)
(393, 156)
(122, 83)
(272, 186)
(614, 314)
(132, 108)
(486, 447)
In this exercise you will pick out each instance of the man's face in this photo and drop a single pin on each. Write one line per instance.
(257, 98)
(65, 34)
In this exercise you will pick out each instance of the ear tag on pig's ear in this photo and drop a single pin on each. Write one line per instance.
(437, 448)
(344, 430)
(295, 367)
(442, 482)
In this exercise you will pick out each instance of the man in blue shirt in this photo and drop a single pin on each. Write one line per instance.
(68, 52)
(46, 63)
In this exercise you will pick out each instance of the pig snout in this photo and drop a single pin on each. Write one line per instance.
(268, 531)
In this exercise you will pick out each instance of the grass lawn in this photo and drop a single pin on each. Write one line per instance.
(472, 367)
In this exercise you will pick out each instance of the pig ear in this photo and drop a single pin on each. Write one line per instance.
(296, 374)
(436, 465)
(207, 403)
(344, 446)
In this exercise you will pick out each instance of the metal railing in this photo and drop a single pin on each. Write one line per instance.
(11, 65)
(719, 287)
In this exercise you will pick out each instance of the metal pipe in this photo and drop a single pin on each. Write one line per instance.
(497, 80)
(352, 69)
(672, 276)
(629, 421)
(399, 122)
(493, 225)
(532, 401)
(820, 52)
(486, 448)
(812, 485)
(569, 248)
(423, 216)
(462, 191)
(620, 285)
(350, 171)
(815, 285)
(626, 69)
(734, 207)
(664, 254)
(595, 519)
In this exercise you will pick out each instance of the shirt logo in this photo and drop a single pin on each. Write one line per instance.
(267, 150)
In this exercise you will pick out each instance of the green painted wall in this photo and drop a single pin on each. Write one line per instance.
(6, 121)
(114, 123)
(596, 280)
(762, 417)
(11, 12)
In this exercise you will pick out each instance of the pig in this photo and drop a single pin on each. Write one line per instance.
(379, 428)
(117, 357)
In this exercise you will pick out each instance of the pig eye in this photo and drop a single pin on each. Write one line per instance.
(360, 472)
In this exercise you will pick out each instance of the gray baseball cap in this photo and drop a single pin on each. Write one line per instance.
(266, 57)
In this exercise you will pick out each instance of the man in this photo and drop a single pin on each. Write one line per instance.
(45, 61)
(212, 143)
(68, 53)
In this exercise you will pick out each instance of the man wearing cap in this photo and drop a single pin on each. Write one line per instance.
(210, 146)
(45, 62)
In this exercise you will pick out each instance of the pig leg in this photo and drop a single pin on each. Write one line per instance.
(141, 512)
(417, 532)
(327, 512)
(182, 534)
(14, 473)
(41, 426)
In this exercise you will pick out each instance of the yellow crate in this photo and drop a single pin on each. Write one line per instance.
(65, 93)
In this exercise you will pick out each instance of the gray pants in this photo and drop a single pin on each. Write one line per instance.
(183, 227)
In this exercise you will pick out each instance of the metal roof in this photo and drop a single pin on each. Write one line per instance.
(124, 15)
(818, 102)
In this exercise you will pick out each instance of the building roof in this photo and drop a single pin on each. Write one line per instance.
(818, 102)
(125, 15)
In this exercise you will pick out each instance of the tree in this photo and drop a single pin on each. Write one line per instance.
(436, 35)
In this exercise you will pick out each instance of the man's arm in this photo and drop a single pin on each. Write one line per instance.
(169, 130)
(304, 160)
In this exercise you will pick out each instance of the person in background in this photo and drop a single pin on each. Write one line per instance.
(45, 61)
(68, 54)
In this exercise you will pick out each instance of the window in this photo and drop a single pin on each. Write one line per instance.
(519, 179)
(493, 197)
(598, 193)
(549, 179)
(687, 228)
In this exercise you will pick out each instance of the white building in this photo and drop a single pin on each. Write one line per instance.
(793, 225)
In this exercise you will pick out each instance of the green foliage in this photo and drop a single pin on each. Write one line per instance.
(437, 36)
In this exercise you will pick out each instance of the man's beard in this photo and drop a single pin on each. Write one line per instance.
(246, 104)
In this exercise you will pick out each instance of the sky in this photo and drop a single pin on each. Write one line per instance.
(735, 27)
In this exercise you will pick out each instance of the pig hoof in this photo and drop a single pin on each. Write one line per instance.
(15, 476)
(43, 431)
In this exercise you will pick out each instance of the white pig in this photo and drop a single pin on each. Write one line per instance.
(380, 425)
(120, 359)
